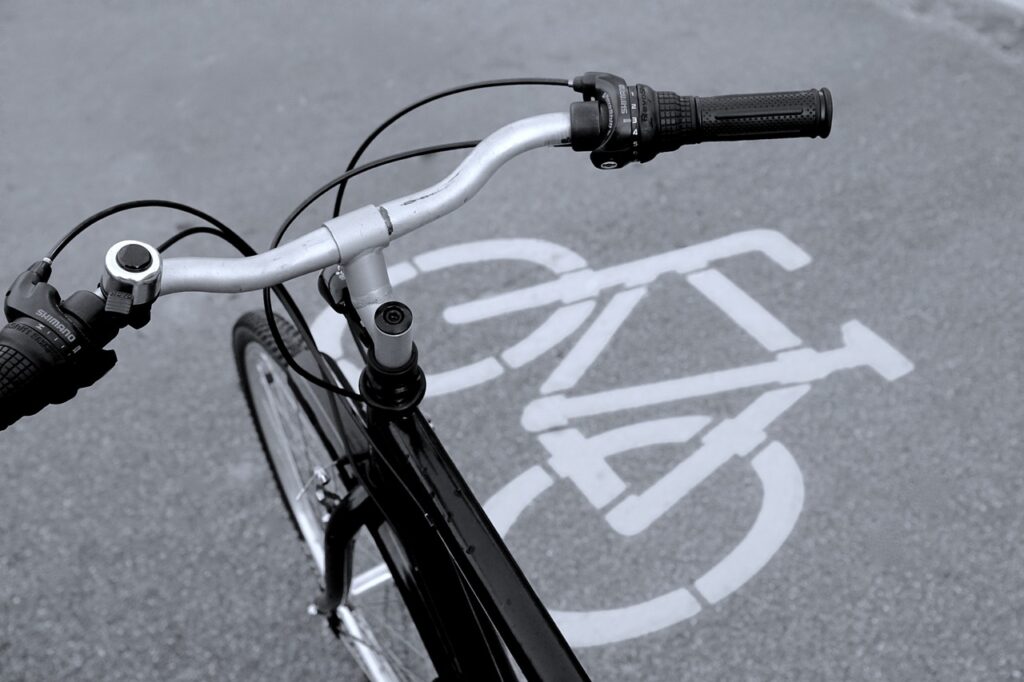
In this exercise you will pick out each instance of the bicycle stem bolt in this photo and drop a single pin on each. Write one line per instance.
(392, 380)
(392, 345)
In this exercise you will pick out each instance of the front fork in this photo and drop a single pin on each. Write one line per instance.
(352, 513)
(392, 381)
(450, 619)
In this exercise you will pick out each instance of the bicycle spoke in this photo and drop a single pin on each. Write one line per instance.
(387, 653)
(379, 650)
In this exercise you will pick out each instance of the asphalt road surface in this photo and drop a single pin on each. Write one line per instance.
(876, 534)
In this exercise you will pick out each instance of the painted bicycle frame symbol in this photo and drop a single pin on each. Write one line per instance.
(584, 459)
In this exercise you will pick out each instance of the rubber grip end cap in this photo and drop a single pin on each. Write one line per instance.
(825, 96)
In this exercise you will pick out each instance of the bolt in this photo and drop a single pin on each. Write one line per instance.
(393, 318)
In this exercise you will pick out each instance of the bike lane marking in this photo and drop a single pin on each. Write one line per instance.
(729, 438)
(862, 348)
(551, 332)
(744, 310)
(576, 283)
(583, 460)
(586, 283)
(593, 341)
(781, 504)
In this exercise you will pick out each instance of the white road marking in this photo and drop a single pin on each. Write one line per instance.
(554, 257)
(460, 378)
(593, 341)
(742, 309)
(582, 284)
(584, 460)
(731, 437)
(505, 506)
(401, 272)
(549, 334)
(328, 329)
(568, 288)
(369, 579)
(863, 348)
(605, 626)
(781, 503)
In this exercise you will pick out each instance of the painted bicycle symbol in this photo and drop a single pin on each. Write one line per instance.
(586, 460)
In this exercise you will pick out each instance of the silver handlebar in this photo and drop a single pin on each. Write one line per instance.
(418, 209)
(355, 236)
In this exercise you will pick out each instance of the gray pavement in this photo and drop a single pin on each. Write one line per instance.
(140, 535)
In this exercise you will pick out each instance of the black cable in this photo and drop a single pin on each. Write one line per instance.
(147, 203)
(230, 236)
(307, 337)
(341, 183)
(326, 370)
(188, 233)
(351, 173)
(235, 240)
(426, 100)
(321, 362)
(268, 309)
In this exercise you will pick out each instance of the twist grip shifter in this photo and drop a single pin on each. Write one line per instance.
(619, 123)
(51, 348)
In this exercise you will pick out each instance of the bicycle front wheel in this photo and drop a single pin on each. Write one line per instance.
(376, 625)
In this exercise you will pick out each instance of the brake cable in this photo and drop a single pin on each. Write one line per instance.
(426, 100)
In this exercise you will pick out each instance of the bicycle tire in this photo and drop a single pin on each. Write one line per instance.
(374, 620)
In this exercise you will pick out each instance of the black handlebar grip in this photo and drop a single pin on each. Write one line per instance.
(805, 113)
(691, 120)
(18, 378)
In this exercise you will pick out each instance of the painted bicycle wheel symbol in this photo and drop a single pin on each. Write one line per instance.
(584, 460)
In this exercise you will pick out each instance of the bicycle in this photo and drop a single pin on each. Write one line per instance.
(416, 581)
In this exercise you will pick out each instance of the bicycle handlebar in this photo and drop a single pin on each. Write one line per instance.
(51, 348)
(343, 238)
